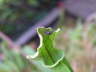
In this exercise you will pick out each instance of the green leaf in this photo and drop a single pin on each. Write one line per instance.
(51, 57)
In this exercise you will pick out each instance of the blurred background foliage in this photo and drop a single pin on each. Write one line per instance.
(13, 9)
(18, 15)
(79, 45)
